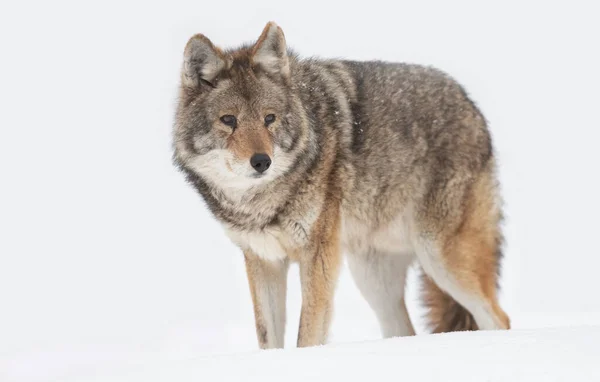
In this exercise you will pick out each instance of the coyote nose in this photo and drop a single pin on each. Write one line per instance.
(260, 162)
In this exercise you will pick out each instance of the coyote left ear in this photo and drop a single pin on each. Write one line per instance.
(270, 51)
(202, 61)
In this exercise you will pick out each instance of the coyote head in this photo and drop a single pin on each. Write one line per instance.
(238, 123)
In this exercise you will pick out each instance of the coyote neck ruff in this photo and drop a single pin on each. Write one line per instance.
(301, 159)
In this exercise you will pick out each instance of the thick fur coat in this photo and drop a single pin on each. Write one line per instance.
(303, 159)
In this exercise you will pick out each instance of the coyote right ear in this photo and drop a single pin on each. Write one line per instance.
(202, 61)
(270, 51)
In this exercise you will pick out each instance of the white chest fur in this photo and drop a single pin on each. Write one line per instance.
(268, 244)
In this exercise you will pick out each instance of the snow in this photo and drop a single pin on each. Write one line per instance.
(560, 354)
(110, 263)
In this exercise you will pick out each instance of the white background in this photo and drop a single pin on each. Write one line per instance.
(106, 254)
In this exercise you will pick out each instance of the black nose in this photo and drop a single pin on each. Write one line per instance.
(260, 162)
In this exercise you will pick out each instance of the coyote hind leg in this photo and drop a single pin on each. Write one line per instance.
(381, 279)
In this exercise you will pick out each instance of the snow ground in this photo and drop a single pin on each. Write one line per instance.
(559, 354)
(108, 257)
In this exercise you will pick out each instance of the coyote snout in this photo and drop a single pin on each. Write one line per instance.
(252, 147)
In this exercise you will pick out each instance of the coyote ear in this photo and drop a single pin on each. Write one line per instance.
(270, 51)
(202, 61)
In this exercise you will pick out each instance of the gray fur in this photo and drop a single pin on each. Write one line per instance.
(400, 132)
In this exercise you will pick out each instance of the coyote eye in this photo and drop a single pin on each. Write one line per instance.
(269, 119)
(229, 120)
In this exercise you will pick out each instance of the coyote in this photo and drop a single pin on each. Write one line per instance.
(303, 159)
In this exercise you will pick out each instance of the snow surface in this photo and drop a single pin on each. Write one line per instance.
(560, 354)
(107, 256)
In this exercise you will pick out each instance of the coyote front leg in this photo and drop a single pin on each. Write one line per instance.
(268, 281)
(319, 270)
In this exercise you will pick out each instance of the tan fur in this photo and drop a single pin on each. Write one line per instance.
(319, 267)
(249, 141)
(318, 274)
(469, 255)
